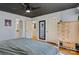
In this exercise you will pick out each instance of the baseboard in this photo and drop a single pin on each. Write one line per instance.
(52, 43)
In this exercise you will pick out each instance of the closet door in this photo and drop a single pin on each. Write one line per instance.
(68, 31)
(68, 34)
(62, 31)
(74, 35)
(19, 29)
(29, 29)
(72, 32)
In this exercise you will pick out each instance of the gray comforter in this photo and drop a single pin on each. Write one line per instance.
(27, 46)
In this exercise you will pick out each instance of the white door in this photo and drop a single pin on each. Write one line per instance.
(29, 29)
(19, 28)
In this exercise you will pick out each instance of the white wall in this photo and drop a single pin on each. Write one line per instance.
(51, 22)
(29, 29)
(7, 32)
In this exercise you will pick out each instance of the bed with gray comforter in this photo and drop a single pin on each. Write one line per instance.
(23, 46)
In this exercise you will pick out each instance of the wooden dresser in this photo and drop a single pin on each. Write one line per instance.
(68, 35)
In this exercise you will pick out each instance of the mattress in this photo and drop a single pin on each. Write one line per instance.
(26, 46)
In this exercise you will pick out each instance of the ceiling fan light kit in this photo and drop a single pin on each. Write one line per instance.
(28, 11)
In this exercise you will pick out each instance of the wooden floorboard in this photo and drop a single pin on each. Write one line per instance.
(67, 51)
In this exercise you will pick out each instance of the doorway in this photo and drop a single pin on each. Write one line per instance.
(42, 29)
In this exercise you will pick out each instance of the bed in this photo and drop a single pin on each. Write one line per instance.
(26, 46)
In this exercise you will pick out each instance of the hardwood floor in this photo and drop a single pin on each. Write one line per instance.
(69, 52)
(66, 51)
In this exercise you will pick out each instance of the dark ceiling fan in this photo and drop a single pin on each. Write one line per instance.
(27, 7)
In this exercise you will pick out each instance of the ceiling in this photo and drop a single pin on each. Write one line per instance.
(45, 8)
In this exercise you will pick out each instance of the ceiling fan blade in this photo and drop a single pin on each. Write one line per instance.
(23, 5)
(25, 13)
(34, 8)
(17, 8)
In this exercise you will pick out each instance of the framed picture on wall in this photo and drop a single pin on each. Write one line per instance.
(42, 29)
(7, 22)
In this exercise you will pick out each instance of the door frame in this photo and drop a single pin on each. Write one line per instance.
(44, 30)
